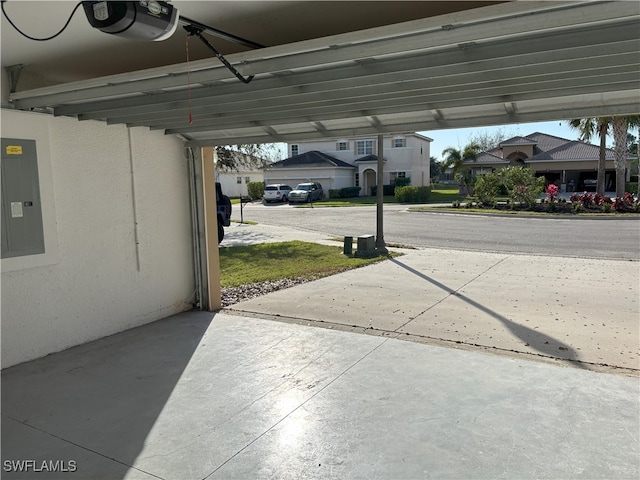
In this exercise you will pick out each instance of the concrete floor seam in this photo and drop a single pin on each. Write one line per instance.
(302, 404)
(451, 292)
(447, 343)
(65, 440)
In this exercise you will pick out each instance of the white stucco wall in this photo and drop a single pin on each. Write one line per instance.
(92, 281)
(231, 187)
(329, 178)
(420, 165)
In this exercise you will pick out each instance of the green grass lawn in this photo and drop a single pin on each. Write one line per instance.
(445, 196)
(348, 202)
(275, 261)
(437, 196)
(441, 195)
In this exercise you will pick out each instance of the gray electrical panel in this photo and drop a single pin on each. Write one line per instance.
(22, 232)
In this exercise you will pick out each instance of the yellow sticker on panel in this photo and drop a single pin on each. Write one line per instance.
(14, 149)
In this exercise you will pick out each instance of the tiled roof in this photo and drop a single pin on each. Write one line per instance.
(368, 158)
(546, 142)
(311, 159)
(486, 157)
(496, 152)
(572, 150)
(547, 148)
(519, 141)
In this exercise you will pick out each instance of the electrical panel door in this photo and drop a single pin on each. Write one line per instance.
(22, 232)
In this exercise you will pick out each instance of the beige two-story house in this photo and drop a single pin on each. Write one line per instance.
(349, 162)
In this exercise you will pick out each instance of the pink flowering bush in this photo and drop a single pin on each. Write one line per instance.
(628, 199)
(582, 201)
(552, 192)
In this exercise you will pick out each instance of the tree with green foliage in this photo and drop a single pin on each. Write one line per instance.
(588, 128)
(490, 139)
(601, 126)
(632, 144)
(621, 126)
(232, 158)
(434, 169)
(456, 160)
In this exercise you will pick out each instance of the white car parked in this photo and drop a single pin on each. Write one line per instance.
(278, 192)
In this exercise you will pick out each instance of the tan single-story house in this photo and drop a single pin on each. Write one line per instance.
(571, 164)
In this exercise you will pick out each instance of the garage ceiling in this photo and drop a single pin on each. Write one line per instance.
(499, 64)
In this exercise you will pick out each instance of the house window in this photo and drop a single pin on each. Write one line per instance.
(342, 146)
(294, 150)
(239, 180)
(394, 175)
(357, 179)
(398, 143)
(247, 179)
(364, 147)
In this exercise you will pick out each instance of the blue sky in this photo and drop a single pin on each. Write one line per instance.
(459, 137)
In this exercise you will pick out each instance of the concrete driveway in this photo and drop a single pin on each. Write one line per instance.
(582, 311)
(237, 395)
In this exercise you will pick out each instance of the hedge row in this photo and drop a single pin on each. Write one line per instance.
(413, 194)
(386, 190)
(347, 192)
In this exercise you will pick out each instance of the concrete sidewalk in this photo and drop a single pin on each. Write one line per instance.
(236, 395)
(238, 234)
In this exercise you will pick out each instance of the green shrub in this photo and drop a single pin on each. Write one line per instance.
(386, 190)
(423, 194)
(410, 194)
(522, 185)
(348, 192)
(255, 190)
(487, 188)
(334, 193)
(631, 187)
(403, 181)
(405, 194)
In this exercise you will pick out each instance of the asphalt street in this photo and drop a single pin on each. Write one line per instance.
(584, 237)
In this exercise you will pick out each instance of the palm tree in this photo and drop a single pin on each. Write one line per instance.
(620, 129)
(456, 159)
(588, 127)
